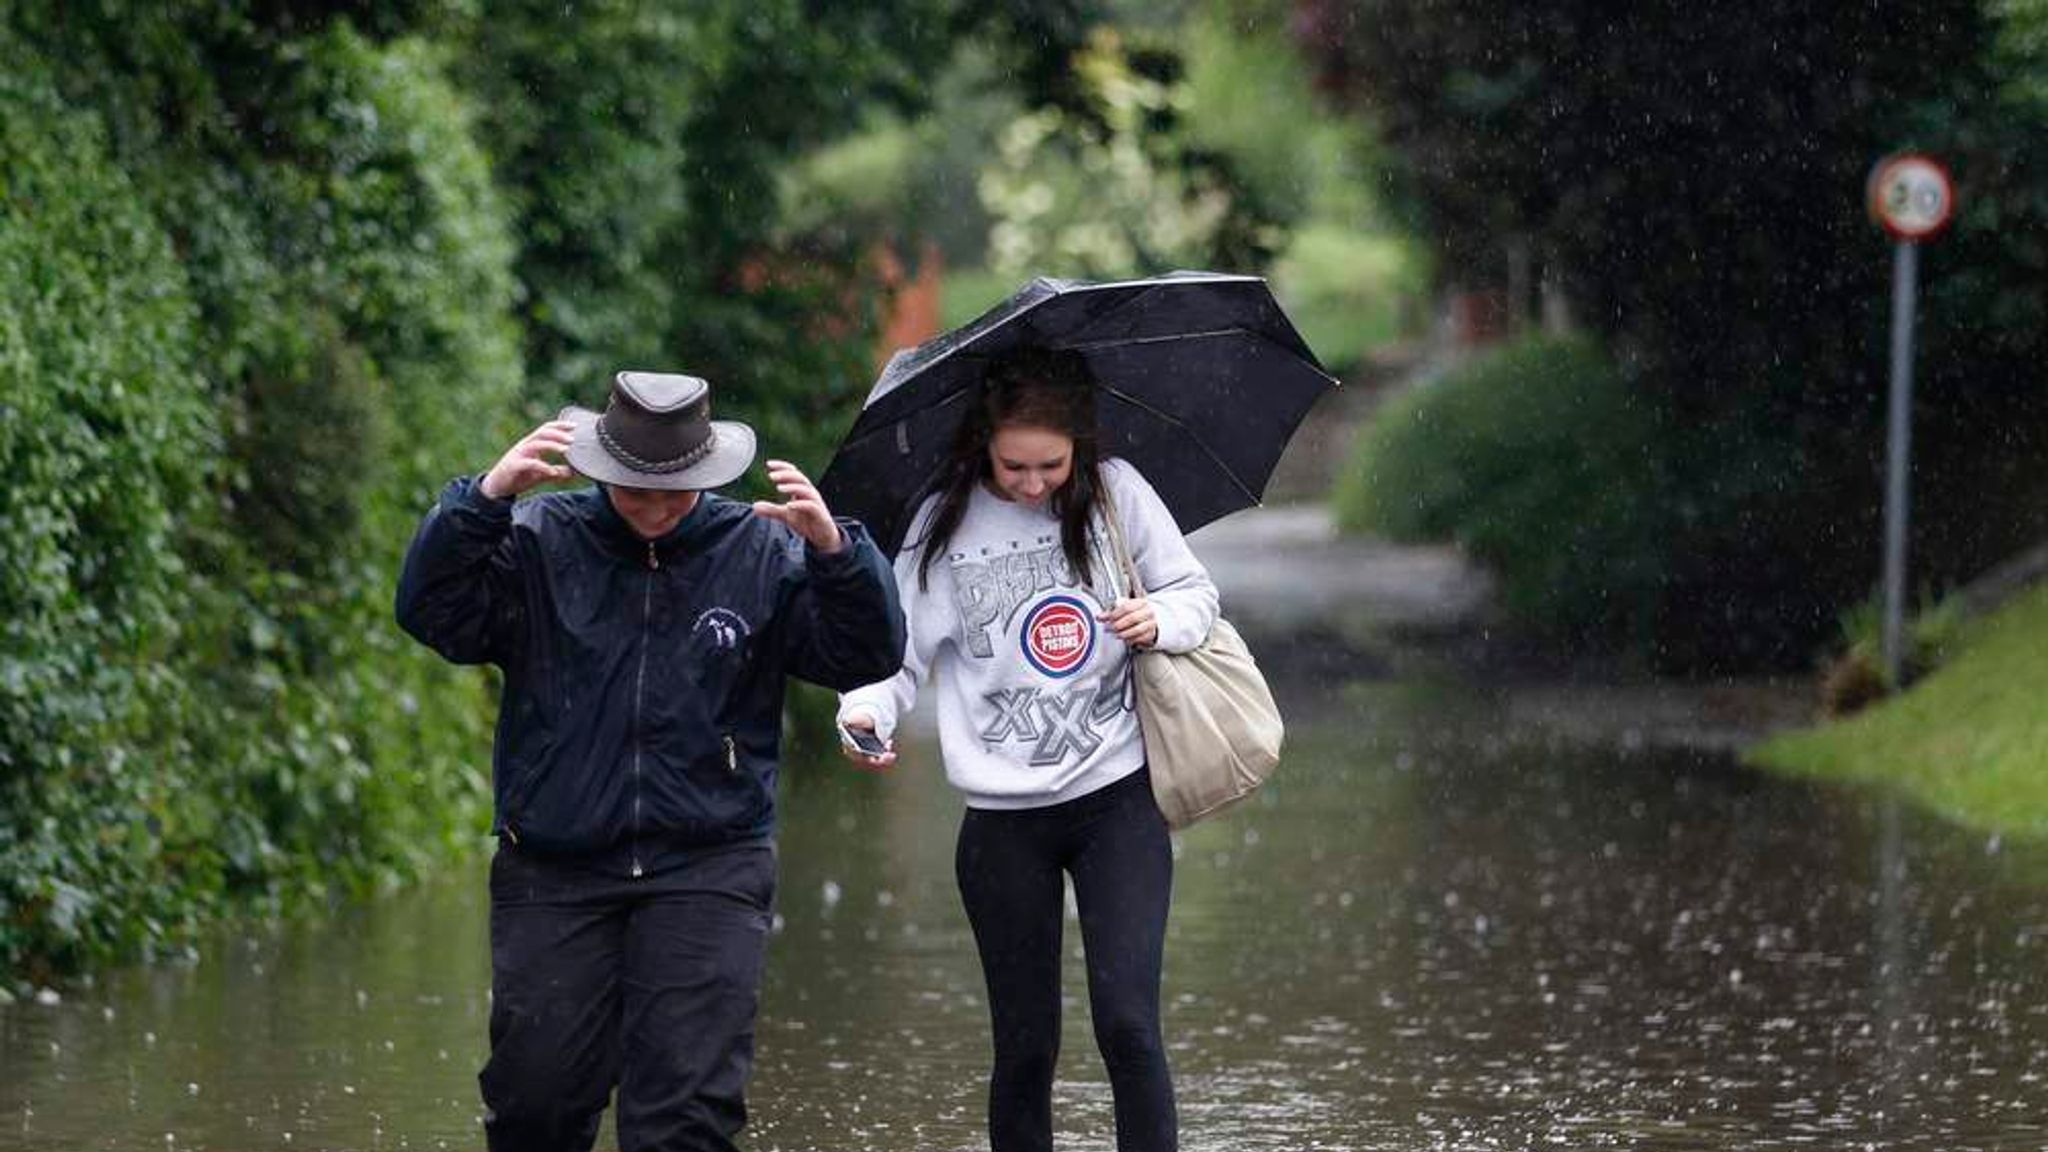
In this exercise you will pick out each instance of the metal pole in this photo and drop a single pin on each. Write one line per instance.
(1905, 270)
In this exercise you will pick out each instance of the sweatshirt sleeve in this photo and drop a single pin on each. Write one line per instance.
(888, 701)
(1182, 595)
(459, 591)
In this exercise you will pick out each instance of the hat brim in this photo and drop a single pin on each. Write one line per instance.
(732, 450)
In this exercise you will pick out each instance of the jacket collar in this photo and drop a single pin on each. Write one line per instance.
(619, 538)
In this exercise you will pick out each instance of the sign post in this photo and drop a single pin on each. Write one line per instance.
(1911, 197)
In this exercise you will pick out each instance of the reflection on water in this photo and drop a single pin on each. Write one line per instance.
(1423, 936)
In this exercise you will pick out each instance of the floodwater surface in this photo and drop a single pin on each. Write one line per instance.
(1428, 933)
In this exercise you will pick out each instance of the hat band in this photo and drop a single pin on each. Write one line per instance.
(655, 467)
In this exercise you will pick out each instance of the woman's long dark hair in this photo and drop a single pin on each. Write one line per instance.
(1029, 388)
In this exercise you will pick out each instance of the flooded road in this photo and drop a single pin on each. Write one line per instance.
(1429, 933)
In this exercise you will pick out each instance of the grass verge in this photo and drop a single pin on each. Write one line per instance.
(1969, 741)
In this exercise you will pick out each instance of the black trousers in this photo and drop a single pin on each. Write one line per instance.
(645, 985)
(1114, 843)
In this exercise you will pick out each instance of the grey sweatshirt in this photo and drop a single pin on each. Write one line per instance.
(1034, 707)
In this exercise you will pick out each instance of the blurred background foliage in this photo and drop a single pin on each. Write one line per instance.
(1683, 184)
(274, 269)
(1566, 514)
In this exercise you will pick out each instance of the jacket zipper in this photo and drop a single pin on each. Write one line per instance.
(639, 691)
(732, 756)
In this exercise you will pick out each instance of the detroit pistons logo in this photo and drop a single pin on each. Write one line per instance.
(1058, 636)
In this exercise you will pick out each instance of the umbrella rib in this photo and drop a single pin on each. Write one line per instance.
(1175, 337)
(1166, 338)
(1177, 422)
(1151, 285)
(1062, 288)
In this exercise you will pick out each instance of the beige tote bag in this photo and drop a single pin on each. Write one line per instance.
(1212, 731)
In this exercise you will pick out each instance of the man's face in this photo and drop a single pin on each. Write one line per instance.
(653, 513)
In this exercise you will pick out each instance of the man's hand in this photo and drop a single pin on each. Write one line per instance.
(1133, 622)
(526, 463)
(802, 508)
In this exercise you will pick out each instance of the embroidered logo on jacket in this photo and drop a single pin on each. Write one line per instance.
(727, 628)
(1058, 636)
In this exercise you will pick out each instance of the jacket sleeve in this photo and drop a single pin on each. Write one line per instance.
(459, 591)
(1183, 597)
(845, 625)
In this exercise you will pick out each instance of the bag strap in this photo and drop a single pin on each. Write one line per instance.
(1134, 586)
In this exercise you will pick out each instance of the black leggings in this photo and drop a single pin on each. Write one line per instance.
(1114, 843)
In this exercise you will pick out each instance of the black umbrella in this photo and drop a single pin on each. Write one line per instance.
(1201, 380)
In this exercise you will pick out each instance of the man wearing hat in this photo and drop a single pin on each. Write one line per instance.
(644, 627)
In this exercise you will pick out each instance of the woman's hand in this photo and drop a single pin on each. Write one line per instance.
(803, 509)
(1133, 622)
(526, 463)
(864, 723)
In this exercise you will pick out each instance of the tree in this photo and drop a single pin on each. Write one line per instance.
(640, 149)
(1116, 187)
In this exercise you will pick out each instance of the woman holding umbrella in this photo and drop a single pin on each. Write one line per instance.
(1014, 608)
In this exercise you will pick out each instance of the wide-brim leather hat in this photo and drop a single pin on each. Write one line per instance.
(656, 431)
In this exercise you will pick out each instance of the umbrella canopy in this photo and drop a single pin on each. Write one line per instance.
(1200, 381)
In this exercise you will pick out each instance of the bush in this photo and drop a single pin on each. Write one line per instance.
(108, 446)
(1856, 675)
(1704, 545)
(1543, 465)
(348, 757)
(203, 698)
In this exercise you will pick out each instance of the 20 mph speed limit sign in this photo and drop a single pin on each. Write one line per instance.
(1911, 196)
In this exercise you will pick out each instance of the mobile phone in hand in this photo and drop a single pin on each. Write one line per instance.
(863, 741)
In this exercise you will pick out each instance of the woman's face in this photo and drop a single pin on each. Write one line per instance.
(1029, 464)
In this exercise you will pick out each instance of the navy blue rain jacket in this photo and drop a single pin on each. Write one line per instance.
(641, 716)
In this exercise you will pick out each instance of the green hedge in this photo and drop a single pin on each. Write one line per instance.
(1542, 464)
(1695, 543)
(109, 448)
(233, 372)
(391, 362)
